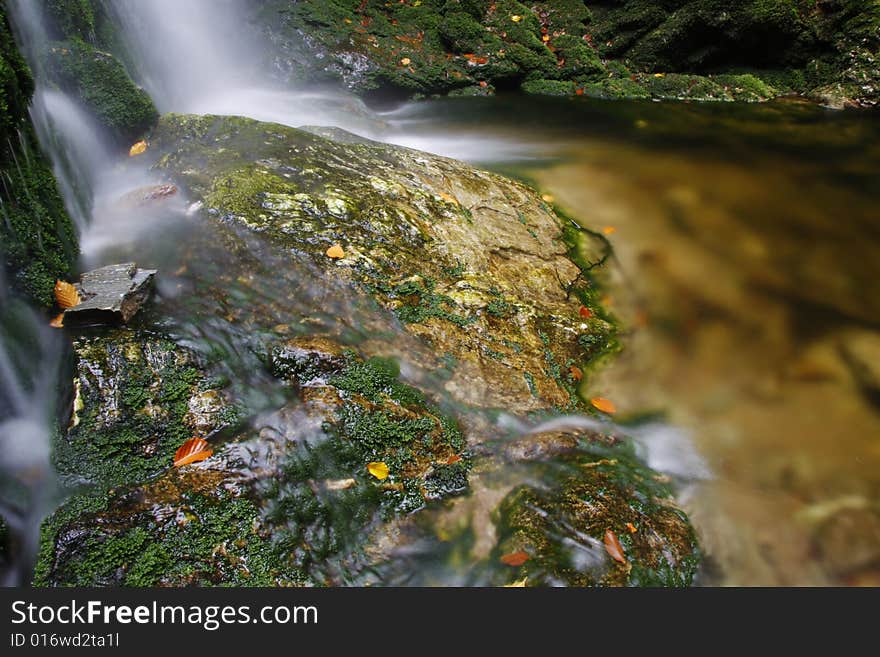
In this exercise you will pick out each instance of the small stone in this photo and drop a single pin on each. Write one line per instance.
(111, 294)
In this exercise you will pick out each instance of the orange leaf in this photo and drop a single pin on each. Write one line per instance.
(192, 451)
(137, 148)
(455, 458)
(613, 546)
(585, 312)
(609, 230)
(484, 84)
(58, 322)
(66, 294)
(379, 469)
(579, 91)
(604, 405)
(335, 252)
(576, 373)
(631, 527)
(515, 558)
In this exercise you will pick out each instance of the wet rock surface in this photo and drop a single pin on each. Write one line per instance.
(475, 273)
(111, 294)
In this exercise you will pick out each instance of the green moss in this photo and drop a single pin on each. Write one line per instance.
(67, 19)
(213, 541)
(549, 87)
(101, 83)
(420, 302)
(562, 525)
(128, 431)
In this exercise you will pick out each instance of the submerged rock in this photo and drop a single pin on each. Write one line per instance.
(111, 294)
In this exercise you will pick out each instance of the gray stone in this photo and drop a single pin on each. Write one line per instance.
(111, 294)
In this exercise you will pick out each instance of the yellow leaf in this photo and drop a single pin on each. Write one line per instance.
(547, 198)
(406, 61)
(518, 584)
(66, 294)
(138, 148)
(516, 18)
(335, 252)
(378, 469)
(659, 75)
(604, 405)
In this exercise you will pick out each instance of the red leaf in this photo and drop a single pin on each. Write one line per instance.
(585, 312)
(192, 451)
(613, 546)
(515, 558)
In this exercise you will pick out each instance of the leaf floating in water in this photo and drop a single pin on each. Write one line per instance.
(604, 405)
(335, 252)
(515, 559)
(585, 312)
(609, 230)
(613, 546)
(192, 451)
(57, 322)
(518, 584)
(138, 148)
(379, 469)
(66, 294)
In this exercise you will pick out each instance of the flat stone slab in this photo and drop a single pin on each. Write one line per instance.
(111, 294)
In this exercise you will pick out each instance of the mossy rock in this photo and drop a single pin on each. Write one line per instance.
(103, 86)
(562, 525)
(477, 267)
(264, 509)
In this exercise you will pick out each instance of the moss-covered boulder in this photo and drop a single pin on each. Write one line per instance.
(474, 265)
(473, 281)
(597, 497)
(101, 83)
(38, 242)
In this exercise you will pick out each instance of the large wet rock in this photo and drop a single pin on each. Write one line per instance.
(471, 263)
(462, 275)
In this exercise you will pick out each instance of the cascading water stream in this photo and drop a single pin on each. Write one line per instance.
(202, 62)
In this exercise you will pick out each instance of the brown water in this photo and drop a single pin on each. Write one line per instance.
(747, 261)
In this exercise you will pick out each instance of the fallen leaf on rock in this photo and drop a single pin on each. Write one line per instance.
(137, 148)
(406, 61)
(455, 458)
(547, 198)
(613, 546)
(66, 294)
(576, 373)
(379, 469)
(192, 451)
(57, 322)
(515, 558)
(585, 312)
(335, 252)
(631, 527)
(604, 405)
